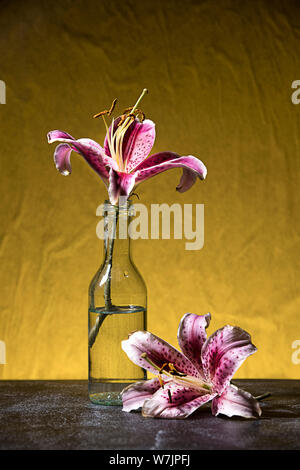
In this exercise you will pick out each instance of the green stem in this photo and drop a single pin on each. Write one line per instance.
(263, 396)
(95, 330)
(107, 287)
(111, 242)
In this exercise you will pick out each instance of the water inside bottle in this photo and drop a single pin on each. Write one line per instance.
(110, 369)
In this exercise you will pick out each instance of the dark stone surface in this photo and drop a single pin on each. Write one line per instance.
(58, 415)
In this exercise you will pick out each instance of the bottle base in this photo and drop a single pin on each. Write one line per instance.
(106, 398)
(108, 394)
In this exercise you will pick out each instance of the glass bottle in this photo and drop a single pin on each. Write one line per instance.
(117, 307)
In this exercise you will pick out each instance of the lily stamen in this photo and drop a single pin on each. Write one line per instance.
(135, 107)
(107, 111)
(112, 106)
(174, 371)
(162, 367)
(141, 116)
(180, 377)
(102, 113)
(137, 114)
(144, 356)
(160, 381)
(115, 137)
(123, 117)
(170, 396)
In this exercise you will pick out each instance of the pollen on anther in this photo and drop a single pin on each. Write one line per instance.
(102, 113)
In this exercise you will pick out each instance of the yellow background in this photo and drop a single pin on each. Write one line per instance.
(219, 75)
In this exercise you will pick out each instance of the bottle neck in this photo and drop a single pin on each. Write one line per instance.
(116, 238)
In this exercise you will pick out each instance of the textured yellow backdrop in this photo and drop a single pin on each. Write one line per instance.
(219, 75)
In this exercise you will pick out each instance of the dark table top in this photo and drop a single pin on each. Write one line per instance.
(58, 415)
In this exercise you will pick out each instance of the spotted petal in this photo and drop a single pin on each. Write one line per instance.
(157, 159)
(134, 395)
(236, 402)
(174, 401)
(137, 142)
(223, 353)
(191, 337)
(158, 351)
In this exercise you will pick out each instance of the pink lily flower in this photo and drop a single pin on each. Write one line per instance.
(187, 380)
(122, 162)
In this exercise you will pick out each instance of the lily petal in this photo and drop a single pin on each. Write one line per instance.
(187, 180)
(158, 351)
(134, 395)
(88, 148)
(56, 135)
(236, 402)
(62, 159)
(191, 337)
(157, 159)
(223, 353)
(120, 184)
(138, 142)
(192, 167)
(174, 401)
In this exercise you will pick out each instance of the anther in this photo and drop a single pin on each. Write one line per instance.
(137, 113)
(107, 111)
(123, 117)
(174, 371)
(112, 106)
(161, 381)
(170, 396)
(141, 116)
(101, 114)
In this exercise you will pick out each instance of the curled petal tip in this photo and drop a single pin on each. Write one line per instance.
(62, 159)
(204, 173)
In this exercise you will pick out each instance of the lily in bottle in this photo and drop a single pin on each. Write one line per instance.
(124, 162)
(186, 380)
